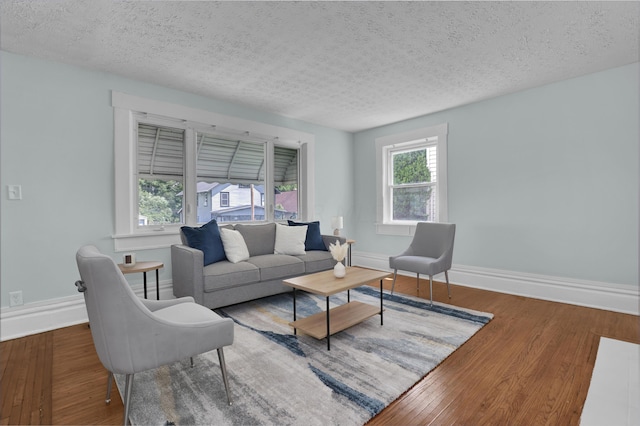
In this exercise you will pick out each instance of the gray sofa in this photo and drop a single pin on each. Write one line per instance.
(224, 283)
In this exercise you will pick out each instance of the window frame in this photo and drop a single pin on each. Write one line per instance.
(224, 204)
(408, 140)
(126, 110)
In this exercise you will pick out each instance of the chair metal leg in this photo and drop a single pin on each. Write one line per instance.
(223, 368)
(191, 362)
(446, 275)
(431, 288)
(395, 274)
(127, 398)
(107, 400)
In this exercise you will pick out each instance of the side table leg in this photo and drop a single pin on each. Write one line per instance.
(144, 275)
(157, 284)
(328, 327)
(381, 308)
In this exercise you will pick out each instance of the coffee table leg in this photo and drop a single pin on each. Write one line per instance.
(144, 276)
(381, 309)
(328, 327)
(295, 330)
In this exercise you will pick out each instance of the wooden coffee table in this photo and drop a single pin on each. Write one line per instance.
(324, 324)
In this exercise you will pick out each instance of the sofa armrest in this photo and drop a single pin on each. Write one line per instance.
(187, 266)
(331, 239)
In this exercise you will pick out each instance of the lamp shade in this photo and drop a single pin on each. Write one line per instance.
(336, 222)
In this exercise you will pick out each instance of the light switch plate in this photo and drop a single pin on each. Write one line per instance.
(14, 192)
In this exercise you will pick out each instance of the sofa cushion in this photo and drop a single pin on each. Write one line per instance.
(313, 239)
(234, 246)
(207, 239)
(221, 275)
(290, 240)
(260, 239)
(275, 266)
(316, 261)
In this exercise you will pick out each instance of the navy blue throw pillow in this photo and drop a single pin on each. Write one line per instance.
(206, 238)
(314, 237)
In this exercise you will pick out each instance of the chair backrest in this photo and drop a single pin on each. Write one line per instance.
(433, 240)
(117, 317)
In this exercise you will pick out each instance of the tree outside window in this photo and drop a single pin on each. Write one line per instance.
(160, 201)
(412, 186)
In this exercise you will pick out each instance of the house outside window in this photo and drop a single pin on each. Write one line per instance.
(412, 187)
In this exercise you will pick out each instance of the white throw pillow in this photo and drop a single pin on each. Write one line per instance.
(290, 240)
(234, 246)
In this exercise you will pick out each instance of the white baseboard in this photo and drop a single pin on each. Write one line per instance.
(592, 294)
(45, 316)
(39, 317)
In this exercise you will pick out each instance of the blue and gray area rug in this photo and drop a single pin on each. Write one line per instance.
(277, 378)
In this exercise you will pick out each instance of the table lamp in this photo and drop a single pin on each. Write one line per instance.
(336, 224)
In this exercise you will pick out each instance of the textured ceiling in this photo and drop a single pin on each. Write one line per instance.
(346, 65)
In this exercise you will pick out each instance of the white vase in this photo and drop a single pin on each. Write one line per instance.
(339, 271)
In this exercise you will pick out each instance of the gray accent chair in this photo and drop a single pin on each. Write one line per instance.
(430, 253)
(132, 335)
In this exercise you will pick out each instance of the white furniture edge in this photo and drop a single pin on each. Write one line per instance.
(45, 316)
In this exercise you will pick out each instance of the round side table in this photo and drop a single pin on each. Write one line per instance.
(144, 267)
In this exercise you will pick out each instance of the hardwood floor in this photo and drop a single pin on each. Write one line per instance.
(530, 365)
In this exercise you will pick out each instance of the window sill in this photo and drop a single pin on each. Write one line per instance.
(395, 229)
(146, 241)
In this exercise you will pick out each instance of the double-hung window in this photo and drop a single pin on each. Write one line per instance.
(178, 166)
(412, 185)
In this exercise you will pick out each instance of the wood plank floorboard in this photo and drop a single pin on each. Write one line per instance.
(531, 364)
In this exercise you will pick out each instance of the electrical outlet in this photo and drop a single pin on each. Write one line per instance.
(14, 192)
(15, 298)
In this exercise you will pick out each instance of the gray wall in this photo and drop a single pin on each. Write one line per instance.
(543, 181)
(57, 142)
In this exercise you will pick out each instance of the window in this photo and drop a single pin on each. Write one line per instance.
(413, 185)
(160, 174)
(412, 176)
(224, 199)
(179, 166)
(286, 183)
